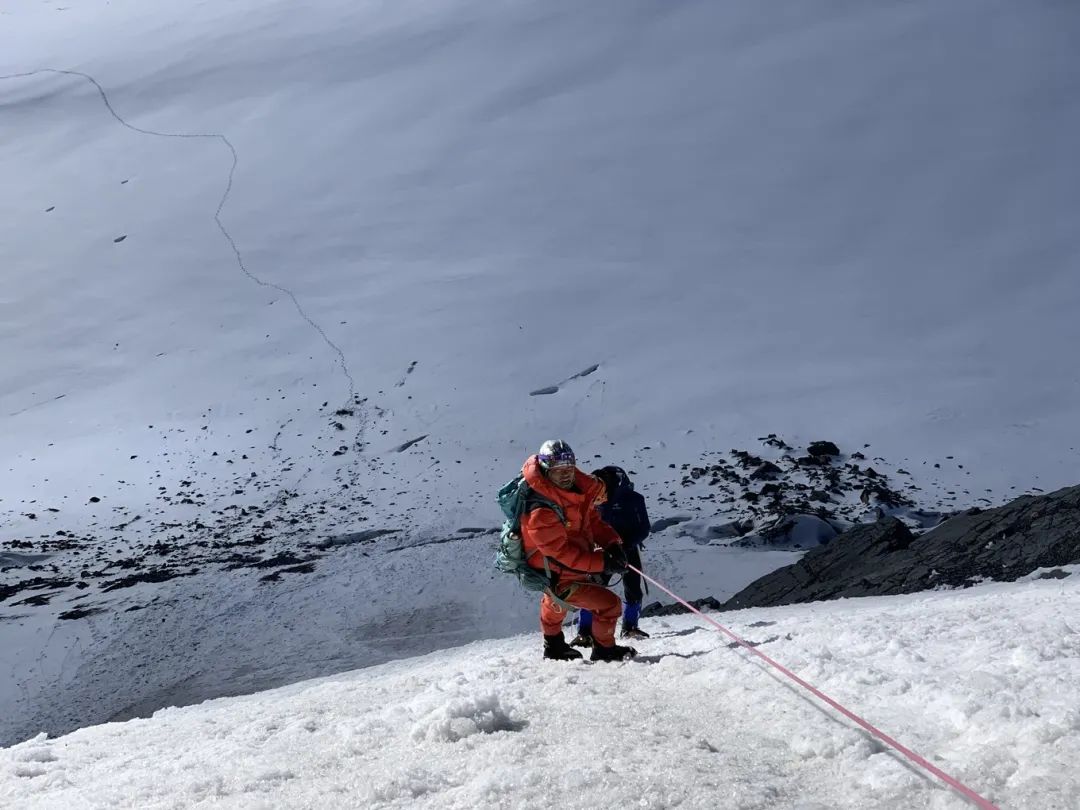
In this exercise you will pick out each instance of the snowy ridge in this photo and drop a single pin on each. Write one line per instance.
(979, 681)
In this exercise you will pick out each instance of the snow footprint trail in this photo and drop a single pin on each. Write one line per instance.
(352, 401)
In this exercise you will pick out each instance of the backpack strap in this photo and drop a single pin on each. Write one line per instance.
(530, 500)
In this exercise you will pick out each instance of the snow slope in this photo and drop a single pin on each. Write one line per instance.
(215, 633)
(376, 253)
(982, 682)
(819, 218)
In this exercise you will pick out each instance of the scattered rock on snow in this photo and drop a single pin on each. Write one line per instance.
(822, 449)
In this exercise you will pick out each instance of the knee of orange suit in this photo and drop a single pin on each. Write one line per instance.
(611, 608)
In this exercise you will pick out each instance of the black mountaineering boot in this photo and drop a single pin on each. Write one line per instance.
(612, 653)
(583, 639)
(556, 648)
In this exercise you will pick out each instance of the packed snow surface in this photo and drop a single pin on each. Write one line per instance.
(981, 682)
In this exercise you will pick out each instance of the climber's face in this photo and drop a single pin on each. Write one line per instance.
(562, 477)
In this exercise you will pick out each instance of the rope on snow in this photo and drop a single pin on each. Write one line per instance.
(955, 784)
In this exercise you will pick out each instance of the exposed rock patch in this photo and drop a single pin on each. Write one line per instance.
(887, 557)
(656, 609)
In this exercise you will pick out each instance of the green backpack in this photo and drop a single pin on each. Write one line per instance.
(515, 497)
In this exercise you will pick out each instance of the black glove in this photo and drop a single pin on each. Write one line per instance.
(614, 560)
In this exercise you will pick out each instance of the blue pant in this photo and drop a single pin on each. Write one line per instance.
(632, 590)
(630, 617)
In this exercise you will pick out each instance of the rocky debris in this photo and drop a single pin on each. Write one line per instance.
(819, 449)
(226, 509)
(125, 563)
(886, 557)
(767, 471)
(34, 584)
(236, 560)
(746, 460)
(278, 560)
(656, 609)
(772, 498)
(151, 575)
(36, 601)
(401, 448)
(306, 568)
(14, 560)
(81, 612)
(772, 440)
(257, 539)
(214, 506)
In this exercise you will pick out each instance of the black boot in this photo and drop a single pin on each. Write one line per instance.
(556, 648)
(582, 639)
(613, 653)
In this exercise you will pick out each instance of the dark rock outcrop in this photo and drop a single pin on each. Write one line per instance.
(657, 609)
(882, 558)
(823, 449)
(766, 472)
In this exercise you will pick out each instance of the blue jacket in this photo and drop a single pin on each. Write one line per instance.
(625, 509)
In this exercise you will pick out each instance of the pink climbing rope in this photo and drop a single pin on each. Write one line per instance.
(956, 785)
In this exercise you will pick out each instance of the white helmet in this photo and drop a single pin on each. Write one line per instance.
(556, 453)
